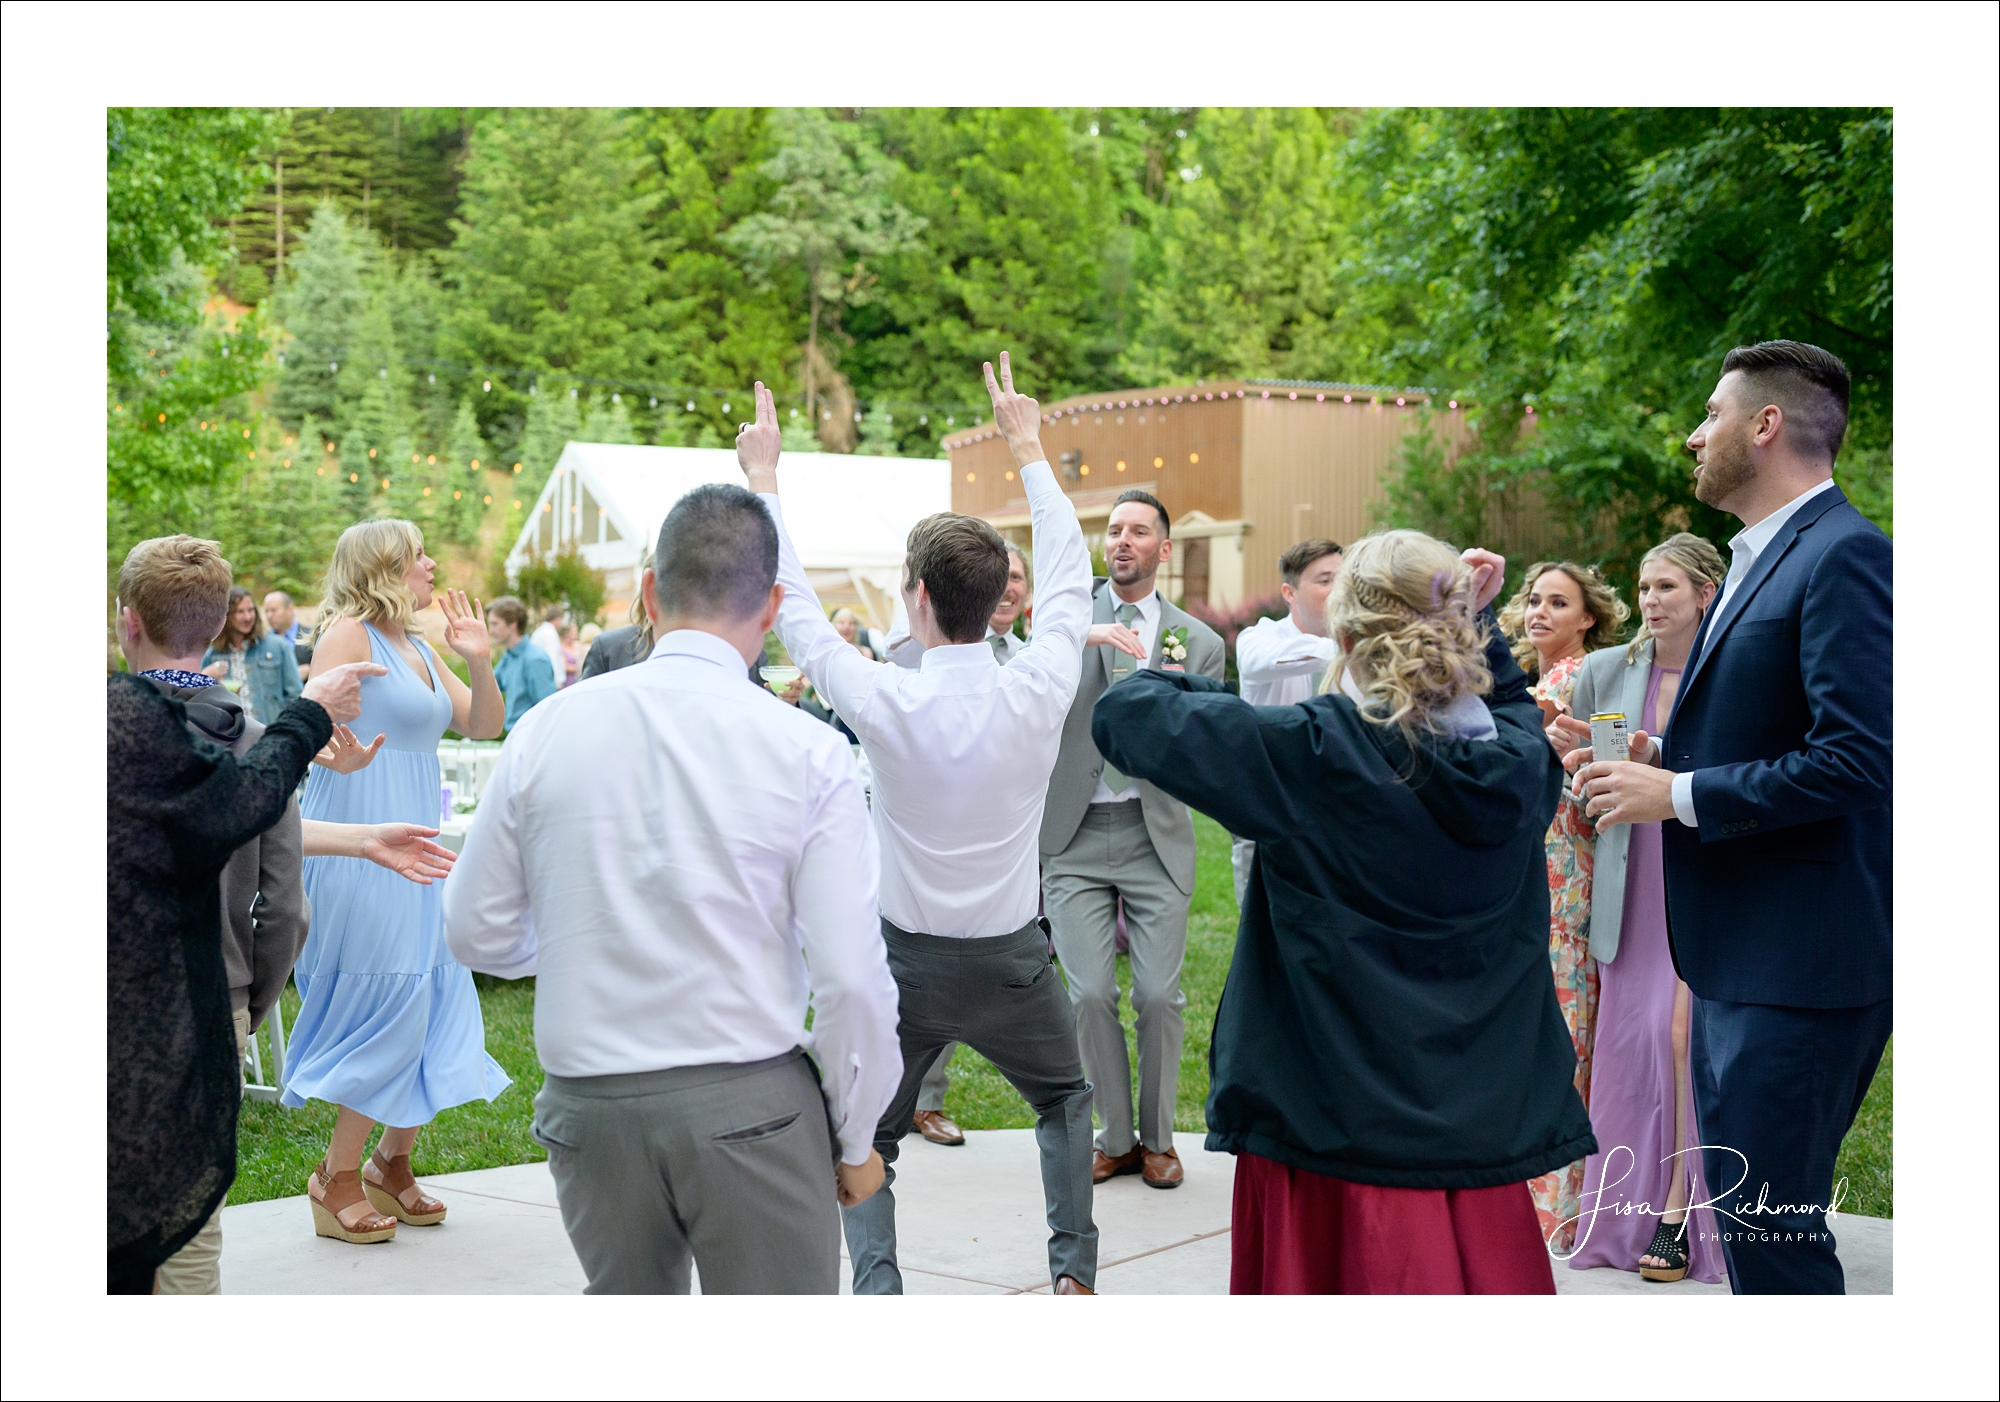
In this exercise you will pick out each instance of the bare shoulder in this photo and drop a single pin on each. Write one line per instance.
(346, 640)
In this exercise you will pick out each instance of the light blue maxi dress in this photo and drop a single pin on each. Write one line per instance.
(389, 1023)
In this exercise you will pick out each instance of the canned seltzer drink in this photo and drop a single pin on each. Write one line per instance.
(1607, 736)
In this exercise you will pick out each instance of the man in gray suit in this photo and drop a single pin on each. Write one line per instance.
(931, 1121)
(1108, 838)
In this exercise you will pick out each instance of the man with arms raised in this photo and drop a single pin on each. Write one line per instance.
(1281, 660)
(905, 651)
(962, 750)
(679, 856)
(1772, 790)
(1108, 838)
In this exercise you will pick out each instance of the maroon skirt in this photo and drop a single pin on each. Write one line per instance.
(1300, 1233)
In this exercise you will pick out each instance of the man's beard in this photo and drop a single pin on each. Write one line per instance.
(1727, 468)
(1128, 571)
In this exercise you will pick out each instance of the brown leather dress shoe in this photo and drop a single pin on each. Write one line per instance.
(1070, 1285)
(1103, 1166)
(932, 1125)
(1162, 1170)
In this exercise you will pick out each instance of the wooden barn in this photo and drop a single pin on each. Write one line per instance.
(1245, 468)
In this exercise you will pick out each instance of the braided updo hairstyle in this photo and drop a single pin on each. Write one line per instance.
(1401, 610)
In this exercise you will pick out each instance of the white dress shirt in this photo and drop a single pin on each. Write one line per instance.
(1744, 548)
(679, 856)
(1147, 625)
(961, 747)
(550, 642)
(1280, 663)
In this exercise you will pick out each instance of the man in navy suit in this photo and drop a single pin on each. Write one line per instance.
(1773, 796)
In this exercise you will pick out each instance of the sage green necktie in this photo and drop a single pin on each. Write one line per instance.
(999, 647)
(1123, 665)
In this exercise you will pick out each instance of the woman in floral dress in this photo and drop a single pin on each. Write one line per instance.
(1563, 612)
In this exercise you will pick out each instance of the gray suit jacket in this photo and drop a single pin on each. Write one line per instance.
(1079, 764)
(1607, 682)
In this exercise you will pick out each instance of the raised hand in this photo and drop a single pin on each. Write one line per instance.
(1489, 574)
(338, 689)
(757, 444)
(404, 848)
(1018, 417)
(465, 626)
(344, 754)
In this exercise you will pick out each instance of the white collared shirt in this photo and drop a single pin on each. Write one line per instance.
(1744, 548)
(1147, 625)
(550, 642)
(1279, 663)
(679, 857)
(961, 747)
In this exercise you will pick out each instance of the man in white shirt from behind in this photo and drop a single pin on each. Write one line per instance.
(1279, 661)
(681, 858)
(961, 750)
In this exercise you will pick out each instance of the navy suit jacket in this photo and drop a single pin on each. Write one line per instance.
(1783, 894)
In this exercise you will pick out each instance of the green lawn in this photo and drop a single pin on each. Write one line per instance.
(276, 1148)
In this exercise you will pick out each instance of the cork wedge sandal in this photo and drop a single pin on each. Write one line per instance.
(341, 1209)
(393, 1189)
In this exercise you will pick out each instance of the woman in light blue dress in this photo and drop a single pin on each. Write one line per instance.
(389, 1027)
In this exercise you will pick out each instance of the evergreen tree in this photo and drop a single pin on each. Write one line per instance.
(797, 433)
(553, 421)
(466, 460)
(554, 266)
(831, 215)
(878, 432)
(608, 422)
(321, 306)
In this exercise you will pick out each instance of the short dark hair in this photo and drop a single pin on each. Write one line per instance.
(509, 609)
(1141, 494)
(962, 560)
(1811, 385)
(1295, 561)
(717, 556)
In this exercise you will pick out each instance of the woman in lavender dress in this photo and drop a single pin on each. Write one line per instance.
(1637, 1187)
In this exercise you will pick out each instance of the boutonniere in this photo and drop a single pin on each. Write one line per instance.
(1173, 645)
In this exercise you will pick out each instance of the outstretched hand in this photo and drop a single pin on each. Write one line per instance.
(405, 849)
(465, 626)
(1018, 417)
(344, 753)
(338, 689)
(757, 444)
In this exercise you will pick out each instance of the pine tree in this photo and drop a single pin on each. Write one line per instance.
(321, 306)
(798, 435)
(878, 432)
(466, 460)
(553, 421)
(608, 422)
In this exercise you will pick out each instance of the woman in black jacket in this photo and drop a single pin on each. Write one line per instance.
(178, 807)
(1388, 1063)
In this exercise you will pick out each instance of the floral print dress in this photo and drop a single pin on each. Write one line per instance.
(1571, 844)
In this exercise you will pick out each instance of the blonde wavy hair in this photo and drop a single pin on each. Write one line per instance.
(1694, 557)
(1401, 609)
(1600, 601)
(365, 578)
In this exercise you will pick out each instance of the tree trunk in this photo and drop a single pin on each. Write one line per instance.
(278, 279)
(812, 357)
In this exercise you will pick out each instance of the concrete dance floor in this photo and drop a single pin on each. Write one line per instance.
(969, 1221)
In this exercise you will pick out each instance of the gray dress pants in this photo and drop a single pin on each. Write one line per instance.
(1112, 857)
(1001, 997)
(730, 1167)
(937, 1082)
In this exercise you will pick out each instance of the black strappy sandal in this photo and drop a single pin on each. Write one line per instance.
(1670, 1245)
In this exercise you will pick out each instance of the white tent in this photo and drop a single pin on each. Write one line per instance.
(848, 515)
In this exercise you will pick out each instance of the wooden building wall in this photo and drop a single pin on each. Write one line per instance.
(1313, 467)
(1188, 454)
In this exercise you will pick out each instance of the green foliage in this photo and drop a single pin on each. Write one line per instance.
(608, 421)
(553, 576)
(1598, 264)
(555, 265)
(878, 432)
(554, 419)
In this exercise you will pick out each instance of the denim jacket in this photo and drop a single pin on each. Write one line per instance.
(273, 670)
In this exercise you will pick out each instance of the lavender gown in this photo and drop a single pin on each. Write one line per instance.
(1632, 1080)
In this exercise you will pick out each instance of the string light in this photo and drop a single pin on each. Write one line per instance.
(1121, 466)
(1194, 457)
(1346, 399)
(517, 467)
(371, 452)
(475, 464)
(489, 498)
(329, 447)
(430, 461)
(1454, 403)
(1159, 462)
(1010, 477)
(385, 484)
(486, 386)
(970, 477)
(1399, 401)
(354, 477)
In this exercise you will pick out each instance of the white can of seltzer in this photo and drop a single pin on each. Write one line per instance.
(1607, 736)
